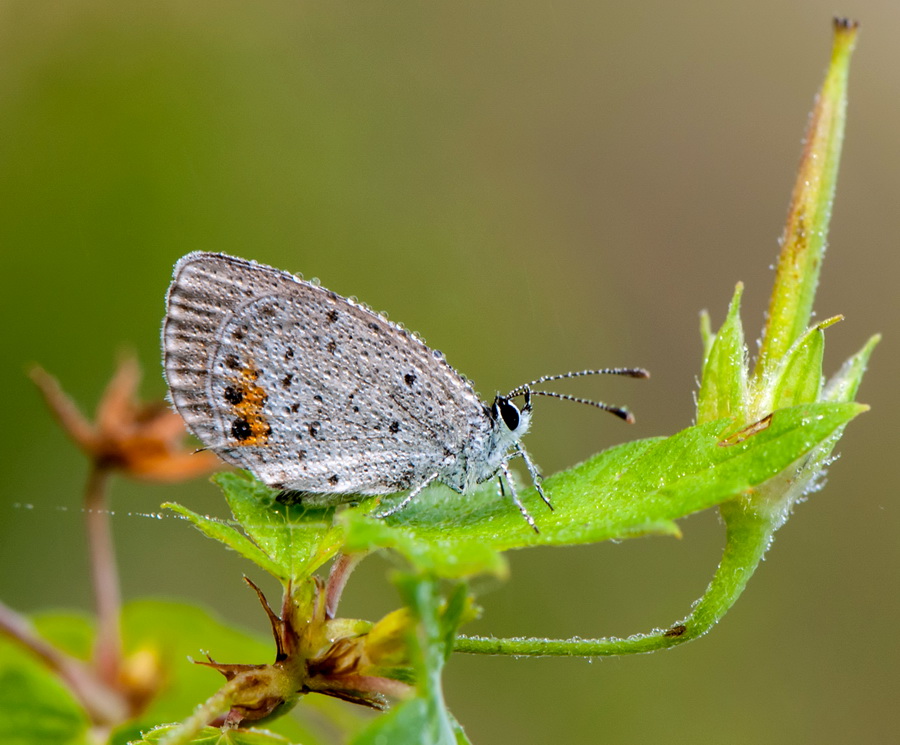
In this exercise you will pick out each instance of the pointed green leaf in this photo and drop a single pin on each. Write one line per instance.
(231, 537)
(288, 541)
(630, 490)
(799, 379)
(723, 385)
(299, 537)
(407, 722)
(638, 488)
(843, 386)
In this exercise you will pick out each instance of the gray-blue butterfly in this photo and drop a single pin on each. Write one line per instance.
(316, 393)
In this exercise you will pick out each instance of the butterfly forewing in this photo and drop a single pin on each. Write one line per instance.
(307, 389)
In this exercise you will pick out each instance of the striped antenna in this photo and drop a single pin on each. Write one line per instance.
(622, 413)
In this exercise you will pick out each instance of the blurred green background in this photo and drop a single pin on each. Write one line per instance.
(535, 187)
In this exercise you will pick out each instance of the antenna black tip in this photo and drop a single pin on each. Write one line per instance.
(622, 414)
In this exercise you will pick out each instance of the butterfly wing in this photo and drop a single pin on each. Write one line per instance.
(309, 390)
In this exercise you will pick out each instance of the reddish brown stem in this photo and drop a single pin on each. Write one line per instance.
(107, 648)
(340, 572)
(103, 704)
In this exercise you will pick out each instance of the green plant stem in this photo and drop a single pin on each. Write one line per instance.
(746, 543)
(215, 706)
(107, 648)
(806, 230)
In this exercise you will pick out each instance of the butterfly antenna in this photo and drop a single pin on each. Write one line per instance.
(631, 372)
(617, 410)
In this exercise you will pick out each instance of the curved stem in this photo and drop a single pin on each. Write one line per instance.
(103, 704)
(748, 537)
(341, 570)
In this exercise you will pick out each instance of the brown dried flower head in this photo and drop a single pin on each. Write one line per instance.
(142, 440)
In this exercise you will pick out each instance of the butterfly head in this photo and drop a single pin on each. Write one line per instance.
(508, 417)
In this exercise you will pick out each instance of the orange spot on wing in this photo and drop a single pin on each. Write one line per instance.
(250, 406)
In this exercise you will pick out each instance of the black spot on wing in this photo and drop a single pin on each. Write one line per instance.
(240, 429)
(232, 395)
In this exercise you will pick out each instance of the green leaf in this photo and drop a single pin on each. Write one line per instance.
(231, 537)
(419, 546)
(800, 378)
(633, 489)
(406, 723)
(70, 631)
(843, 386)
(807, 432)
(457, 535)
(299, 537)
(288, 541)
(35, 707)
(723, 386)
(630, 490)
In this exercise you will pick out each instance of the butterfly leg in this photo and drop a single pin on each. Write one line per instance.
(534, 473)
(515, 497)
(413, 493)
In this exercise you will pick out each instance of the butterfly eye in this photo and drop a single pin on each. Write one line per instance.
(509, 413)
